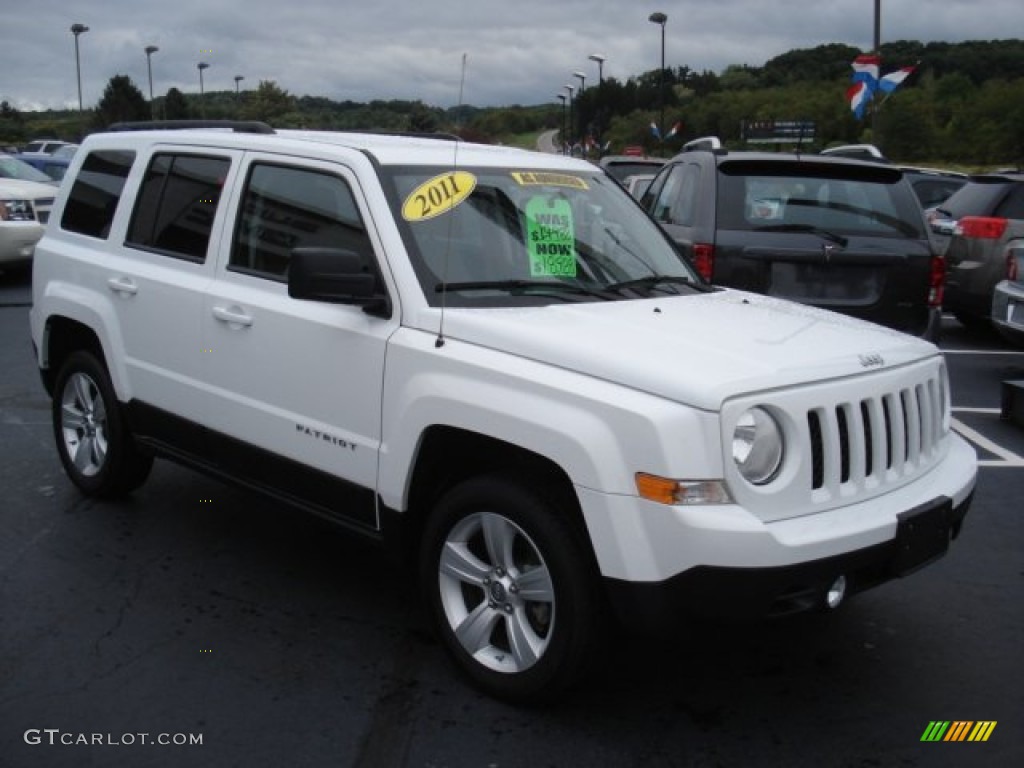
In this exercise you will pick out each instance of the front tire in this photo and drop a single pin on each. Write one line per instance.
(93, 441)
(512, 589)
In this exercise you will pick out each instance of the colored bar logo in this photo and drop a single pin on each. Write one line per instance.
(958, 730)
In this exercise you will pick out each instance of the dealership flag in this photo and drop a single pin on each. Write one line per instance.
(865, 70)
(675, 129)
(859, 94)
(893, 80)
(655, 131)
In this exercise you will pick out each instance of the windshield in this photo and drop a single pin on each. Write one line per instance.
(512, 237)
(13, 168)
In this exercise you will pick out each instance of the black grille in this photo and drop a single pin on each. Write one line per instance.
(902, 426)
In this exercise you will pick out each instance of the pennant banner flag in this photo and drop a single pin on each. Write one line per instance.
(865, 69)
(655, 131)
(859, 95)
(866, 82)
(675, 129)
(893, 80)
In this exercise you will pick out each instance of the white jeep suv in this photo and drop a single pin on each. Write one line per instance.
(493, 360)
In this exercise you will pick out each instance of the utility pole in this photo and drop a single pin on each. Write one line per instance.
(876, 136)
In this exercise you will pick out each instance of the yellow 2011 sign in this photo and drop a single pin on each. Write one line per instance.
(438, 195)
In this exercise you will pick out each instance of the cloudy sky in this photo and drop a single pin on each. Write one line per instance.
(518, 51)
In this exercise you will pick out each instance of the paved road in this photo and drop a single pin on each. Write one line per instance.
(197, 609)
(546, 142)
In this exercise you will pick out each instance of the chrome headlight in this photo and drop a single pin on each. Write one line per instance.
(757, 446)
(16, 210)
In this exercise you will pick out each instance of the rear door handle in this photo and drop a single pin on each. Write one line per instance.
(232, 316)
(123, 285)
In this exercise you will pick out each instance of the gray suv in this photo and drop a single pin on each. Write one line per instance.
(835, 233)
(988, 216)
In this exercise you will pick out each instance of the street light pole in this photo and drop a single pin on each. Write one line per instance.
(238, 79)
(150, 50)
(660, 18)
(878, 26)
(571, 89)
(579, 109)
(202, 106)
(561, 135)
(599, 110)
(876, 136)
(600, 67)
(76, 30)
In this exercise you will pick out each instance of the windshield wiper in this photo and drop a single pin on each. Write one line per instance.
(535, 287)
(809, 228)
(651, 281)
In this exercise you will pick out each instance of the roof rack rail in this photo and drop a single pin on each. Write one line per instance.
(440, 136)
(238, 126)
(704, 142)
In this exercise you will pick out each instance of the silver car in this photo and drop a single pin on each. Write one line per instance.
(1008, 298)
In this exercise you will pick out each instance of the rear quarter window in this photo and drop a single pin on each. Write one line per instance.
(96, 191)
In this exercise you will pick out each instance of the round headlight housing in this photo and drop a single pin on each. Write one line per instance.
(757, 446)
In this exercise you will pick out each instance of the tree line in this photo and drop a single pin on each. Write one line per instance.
(963, 105)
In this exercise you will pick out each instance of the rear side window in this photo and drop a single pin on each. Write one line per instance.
(285, 208)
(96, 191)
(666, 196)
(979, 197)
(177, 204)
(1012, 206)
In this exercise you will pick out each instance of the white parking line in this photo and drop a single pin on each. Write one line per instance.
(1008, 458)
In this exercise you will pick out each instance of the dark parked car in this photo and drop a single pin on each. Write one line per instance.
(841, 234)
(933, 186)
(988, 216)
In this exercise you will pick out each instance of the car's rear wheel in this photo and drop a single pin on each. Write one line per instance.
(93, 441)
(511, 588)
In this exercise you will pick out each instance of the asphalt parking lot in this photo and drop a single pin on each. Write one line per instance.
(195, 609)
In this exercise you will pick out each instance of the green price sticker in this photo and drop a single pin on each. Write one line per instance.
(551, 238)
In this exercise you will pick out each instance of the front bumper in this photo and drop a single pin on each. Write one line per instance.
(723, 560)
(18, 241)
(735, 593)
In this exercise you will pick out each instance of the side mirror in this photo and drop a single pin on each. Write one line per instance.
(336, 276)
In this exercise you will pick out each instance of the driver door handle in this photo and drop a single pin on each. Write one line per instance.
(232, 316)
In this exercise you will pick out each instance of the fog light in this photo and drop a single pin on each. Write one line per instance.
(836, 592)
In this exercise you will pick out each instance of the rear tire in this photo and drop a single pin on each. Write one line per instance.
(512, 589)
(95, 446)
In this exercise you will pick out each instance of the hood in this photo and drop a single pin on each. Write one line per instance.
(17, 189)
(699, 350)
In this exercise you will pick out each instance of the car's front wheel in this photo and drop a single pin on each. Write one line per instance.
(511, 588)
(93, 441)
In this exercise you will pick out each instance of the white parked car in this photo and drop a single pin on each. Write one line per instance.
(496, 363)
(24, 210)
(44, 146)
